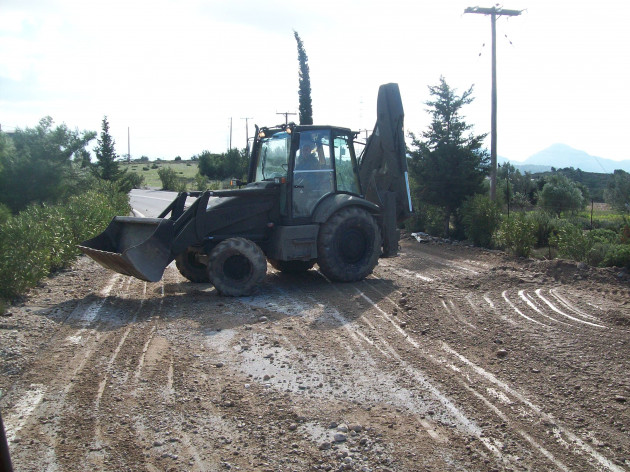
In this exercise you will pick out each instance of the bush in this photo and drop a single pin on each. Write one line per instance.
(168, 177)
(597, 254)
(572, 242)
(201, 182)
(131, 180)
(618, 255)
(481, 217)
(43, 238)
(5, 213)
(426, 218)
(544, 225)
(516, 235)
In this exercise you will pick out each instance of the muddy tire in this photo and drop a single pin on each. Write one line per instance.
(348, 245)
(236, 267)
(291, 267)
(190, 267)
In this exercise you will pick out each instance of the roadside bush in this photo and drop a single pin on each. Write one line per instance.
(571, 242)
(168, 177)
(201, 182)
(43, 238)
(516, 235)
(544, 225)
(618, 255)
(605, 236)
(426, 218)
(5, 213)
(481, 218)
(181, 185)
(131, 180)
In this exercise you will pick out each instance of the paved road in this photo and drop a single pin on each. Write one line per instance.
(150, 203)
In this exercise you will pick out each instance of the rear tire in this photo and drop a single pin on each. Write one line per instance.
(190, 267)
(291, 267)
(348, 245)
(236, 267)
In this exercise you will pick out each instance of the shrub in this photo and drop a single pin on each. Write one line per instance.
(596, 254)
(43, 238)
(481, 217)
(201, 182)
(5, 213)
(516, 235)
(618, 255)
(544, 225)
(426, 218)
(131, 180)
(168, 177)
(154, 166)
(605, 236)
(571, 242)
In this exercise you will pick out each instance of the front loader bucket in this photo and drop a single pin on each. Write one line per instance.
(140, 247)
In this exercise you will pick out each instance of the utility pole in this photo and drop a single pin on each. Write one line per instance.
(493, 12)
(286, 116)
(246, 134)
(230, 148)
(128, 147)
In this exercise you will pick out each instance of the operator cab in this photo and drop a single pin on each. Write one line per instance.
(310, 162)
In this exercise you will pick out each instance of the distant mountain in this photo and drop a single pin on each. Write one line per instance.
(561, 156)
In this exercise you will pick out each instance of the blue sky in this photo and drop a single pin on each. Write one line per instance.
(175, 72)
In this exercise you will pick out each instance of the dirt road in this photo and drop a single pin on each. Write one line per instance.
(446, 358)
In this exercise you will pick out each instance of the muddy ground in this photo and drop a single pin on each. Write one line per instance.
(447, 358)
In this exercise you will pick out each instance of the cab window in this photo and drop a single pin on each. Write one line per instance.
(273, 157)
(345, 165)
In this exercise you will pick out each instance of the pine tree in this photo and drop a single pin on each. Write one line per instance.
(106, 166)
(449, 164)
(304, 93)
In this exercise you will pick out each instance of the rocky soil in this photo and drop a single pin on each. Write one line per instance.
(446, 358)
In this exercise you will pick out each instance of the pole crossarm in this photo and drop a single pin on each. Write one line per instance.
(286, 115)
(493, 11)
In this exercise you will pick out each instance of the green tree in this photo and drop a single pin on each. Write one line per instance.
(36, 163)
(448, 164)
(106, 166)
(304, 93)
(559, 194)
(617, 192)
(223, 166)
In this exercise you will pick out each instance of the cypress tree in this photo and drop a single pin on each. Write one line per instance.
(304, 92)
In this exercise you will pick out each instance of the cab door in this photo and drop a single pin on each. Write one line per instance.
(313, 172)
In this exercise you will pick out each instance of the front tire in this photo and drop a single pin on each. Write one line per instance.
(348, 245)
(236, 267)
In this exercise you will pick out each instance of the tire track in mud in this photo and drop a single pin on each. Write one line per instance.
(424, 399)
(594, 457)
(579, 322)
(36, 416)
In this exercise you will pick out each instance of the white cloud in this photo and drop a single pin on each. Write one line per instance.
(176, 71)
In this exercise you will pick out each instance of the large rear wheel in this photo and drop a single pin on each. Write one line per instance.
(348, 245)
(193, 265)
(236, 267)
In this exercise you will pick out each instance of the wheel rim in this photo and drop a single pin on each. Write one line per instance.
(353, 245)
(237, 267)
